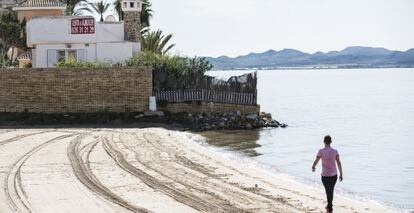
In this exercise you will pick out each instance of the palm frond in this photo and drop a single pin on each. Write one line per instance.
(156, 41)
(168, 49)
(146, 13)
(81, 8)
(94, 7)
(100, 8)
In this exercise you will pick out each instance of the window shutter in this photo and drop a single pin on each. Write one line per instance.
(51, 58)
(81, 55)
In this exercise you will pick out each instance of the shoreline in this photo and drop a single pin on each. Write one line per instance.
(151, 169)
(235, 155)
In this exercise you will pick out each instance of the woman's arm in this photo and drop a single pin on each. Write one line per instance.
(338, 161)
(315, 163)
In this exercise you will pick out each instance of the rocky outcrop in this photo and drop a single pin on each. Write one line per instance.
(233, 120)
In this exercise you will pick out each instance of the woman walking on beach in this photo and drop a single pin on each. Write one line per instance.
(329, 171)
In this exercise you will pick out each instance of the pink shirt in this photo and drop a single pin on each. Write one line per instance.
(328, 156)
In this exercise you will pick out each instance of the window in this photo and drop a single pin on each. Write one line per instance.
(55, 56)
(65, 54)
(71, 54)
(61, 55)
(125, 5)
(131, 4)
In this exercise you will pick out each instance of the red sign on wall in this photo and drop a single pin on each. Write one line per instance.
(82, 26)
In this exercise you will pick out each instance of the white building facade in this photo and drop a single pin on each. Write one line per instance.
(55, 38)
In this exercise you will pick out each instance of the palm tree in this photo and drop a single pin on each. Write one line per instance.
(146, 13)
(76, 7)
(100, 8)
(156, 42)
(118, 9)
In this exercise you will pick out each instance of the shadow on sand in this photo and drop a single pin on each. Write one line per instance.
(27, 120)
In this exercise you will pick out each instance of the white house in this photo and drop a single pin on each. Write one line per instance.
(55, 38)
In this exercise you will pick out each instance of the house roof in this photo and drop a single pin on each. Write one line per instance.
(41, 3)
(25, 56)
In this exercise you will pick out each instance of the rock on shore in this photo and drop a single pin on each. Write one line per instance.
(233, 120)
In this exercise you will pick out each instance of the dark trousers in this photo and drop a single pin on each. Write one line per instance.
(329, 184)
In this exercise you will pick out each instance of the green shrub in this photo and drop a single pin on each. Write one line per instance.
(4, 62)
(171, 64)
(183, 71)
(73, 63)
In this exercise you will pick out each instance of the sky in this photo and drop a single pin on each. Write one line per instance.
(238, 27)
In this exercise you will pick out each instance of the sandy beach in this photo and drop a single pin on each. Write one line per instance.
(142, 170)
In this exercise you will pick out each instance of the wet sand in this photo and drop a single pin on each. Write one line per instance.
(141, 170)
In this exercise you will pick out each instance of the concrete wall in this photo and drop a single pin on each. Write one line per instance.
(53, 33)
(205, 107)
(75, 90)
(105, 52)
(39, 55)
(110, 31)
(56, 30)
(113, 52)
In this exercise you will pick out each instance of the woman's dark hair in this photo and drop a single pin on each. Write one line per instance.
(327, 139)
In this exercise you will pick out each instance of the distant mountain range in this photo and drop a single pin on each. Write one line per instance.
(350, 57)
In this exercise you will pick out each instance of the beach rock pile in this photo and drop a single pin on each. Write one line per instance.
(233, 120)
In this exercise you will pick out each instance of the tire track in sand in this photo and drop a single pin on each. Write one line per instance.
(295, 204)
(225, 187)
(15, 193)
(213, 189)
(83, 172)
(179, 195)
(20, 137)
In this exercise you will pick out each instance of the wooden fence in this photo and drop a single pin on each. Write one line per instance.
(207, 95)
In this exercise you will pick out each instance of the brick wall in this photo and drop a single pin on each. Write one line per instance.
(205, 107)
(75, 90)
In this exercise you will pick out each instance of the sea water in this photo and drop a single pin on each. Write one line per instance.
(368, 112)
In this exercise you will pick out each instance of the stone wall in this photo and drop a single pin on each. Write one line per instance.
(132, 26)
(75, 90)
(202, 107)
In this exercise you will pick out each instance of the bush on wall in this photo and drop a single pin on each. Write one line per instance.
(171, 71)
(73, 63)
